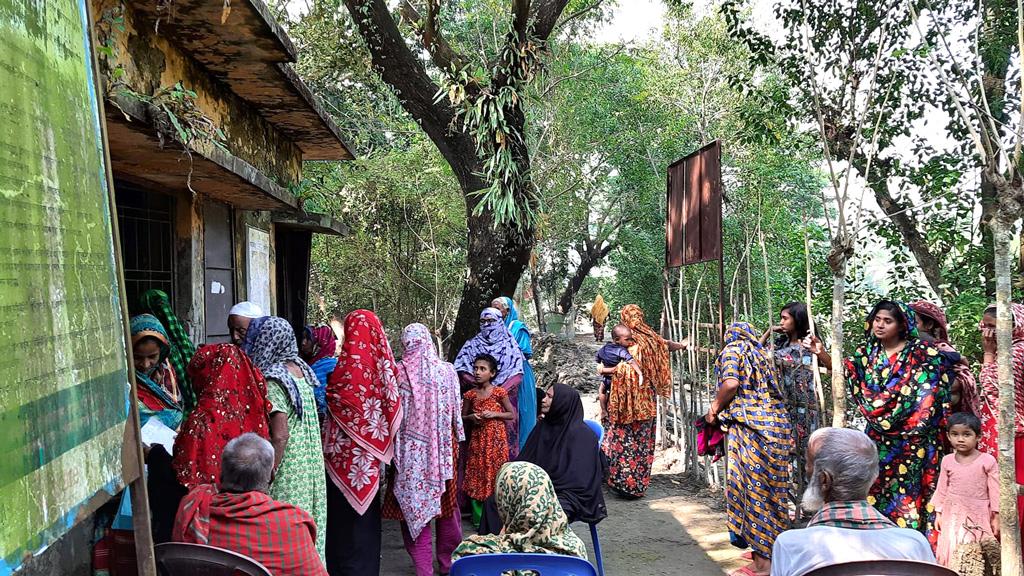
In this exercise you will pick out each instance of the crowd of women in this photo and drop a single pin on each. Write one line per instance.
(907, 381)
(346, 419)
(359, 437)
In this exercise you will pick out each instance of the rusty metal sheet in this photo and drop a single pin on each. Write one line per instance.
(693, 227)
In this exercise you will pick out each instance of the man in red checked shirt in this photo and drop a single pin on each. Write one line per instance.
(238, 515)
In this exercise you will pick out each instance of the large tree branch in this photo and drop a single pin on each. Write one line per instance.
(405, 73)
(546, 14)
(441, 52)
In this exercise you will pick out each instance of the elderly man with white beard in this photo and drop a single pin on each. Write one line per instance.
(842, 464)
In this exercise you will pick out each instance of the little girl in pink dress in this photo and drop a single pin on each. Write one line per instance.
(966, 500)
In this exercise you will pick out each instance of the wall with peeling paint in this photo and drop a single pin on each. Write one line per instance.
(150, 62)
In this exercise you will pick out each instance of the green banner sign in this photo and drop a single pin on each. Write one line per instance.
(63, 380)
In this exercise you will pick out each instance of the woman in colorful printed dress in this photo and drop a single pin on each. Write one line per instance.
(231, 401)
(533, 519)
(989, 401)
(751, 403)
(902, 386)
(294, 428)
(526, 402)
(629, 439)
(422, 487)
(794, 349)
(319, 348)
(364, 413)
(495, 340)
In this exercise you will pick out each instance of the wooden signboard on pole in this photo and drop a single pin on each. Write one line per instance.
(693, 223)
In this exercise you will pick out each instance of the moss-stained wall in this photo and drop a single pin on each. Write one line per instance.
(150, 62)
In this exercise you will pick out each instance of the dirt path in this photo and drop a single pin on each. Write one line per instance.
(677, 528)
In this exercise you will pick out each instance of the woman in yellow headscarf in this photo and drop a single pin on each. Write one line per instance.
(598, 315)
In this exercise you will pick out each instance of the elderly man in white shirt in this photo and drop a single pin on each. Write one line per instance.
(842, 464)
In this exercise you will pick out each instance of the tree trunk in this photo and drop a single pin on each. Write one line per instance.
(535, 287)
(1011, 558)
(838, 264)
(906, 224)
(588, 259)
(496, 258)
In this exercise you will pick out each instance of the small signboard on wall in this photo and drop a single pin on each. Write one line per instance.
(258, 260)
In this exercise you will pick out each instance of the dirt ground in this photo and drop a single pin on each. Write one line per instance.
(677, 528)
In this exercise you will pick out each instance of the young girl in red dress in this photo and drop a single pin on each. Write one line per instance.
(485, 409)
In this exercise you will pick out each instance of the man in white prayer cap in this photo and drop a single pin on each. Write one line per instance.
(239, 318)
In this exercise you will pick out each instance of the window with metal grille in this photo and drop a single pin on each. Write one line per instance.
(146, 222)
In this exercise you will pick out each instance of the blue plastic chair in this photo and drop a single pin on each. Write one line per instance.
(599, 431)
(543, 564)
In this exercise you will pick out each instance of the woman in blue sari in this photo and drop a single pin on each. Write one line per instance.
(527, 402)
(157, 383)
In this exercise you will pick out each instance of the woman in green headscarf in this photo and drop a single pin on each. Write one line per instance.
(534, 520)
(157, 387)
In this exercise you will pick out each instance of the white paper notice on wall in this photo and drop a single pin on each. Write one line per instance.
(258, 277)
(217, 288)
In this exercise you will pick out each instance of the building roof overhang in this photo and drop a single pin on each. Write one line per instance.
(244, 47)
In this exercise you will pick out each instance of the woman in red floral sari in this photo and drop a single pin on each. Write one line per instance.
(363, 417)
(231, 399)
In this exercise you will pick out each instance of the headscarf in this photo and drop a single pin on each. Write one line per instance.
(273, 346)
(517, 328)
(363, 410)
(929, 310)
(324, 341)
(759, 403)
(964, 373)
(652, 351)
(432, 419)
(158, 394)
(599, 311)
(494, 339)
(1017, 312)
(182, 348)
(566, 448)
(533, 519)
(246, 309)
(232, 400)
(905, 397)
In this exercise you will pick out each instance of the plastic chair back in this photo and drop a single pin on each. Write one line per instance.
(542, 564)
(180, 559)
(883, 568)
(597, 428)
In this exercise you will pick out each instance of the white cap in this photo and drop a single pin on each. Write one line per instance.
(246, 310)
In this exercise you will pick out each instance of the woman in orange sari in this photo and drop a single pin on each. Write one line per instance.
(629, 440)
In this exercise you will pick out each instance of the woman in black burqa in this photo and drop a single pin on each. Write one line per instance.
(567, 449)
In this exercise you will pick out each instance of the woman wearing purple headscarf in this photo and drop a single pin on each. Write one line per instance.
(495, 339)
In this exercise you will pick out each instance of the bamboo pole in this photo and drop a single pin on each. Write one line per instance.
(818, 390)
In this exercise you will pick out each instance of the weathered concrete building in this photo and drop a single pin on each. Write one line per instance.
(207, 128)
(219, 223)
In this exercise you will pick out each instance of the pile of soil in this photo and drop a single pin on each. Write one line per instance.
(564, 361)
